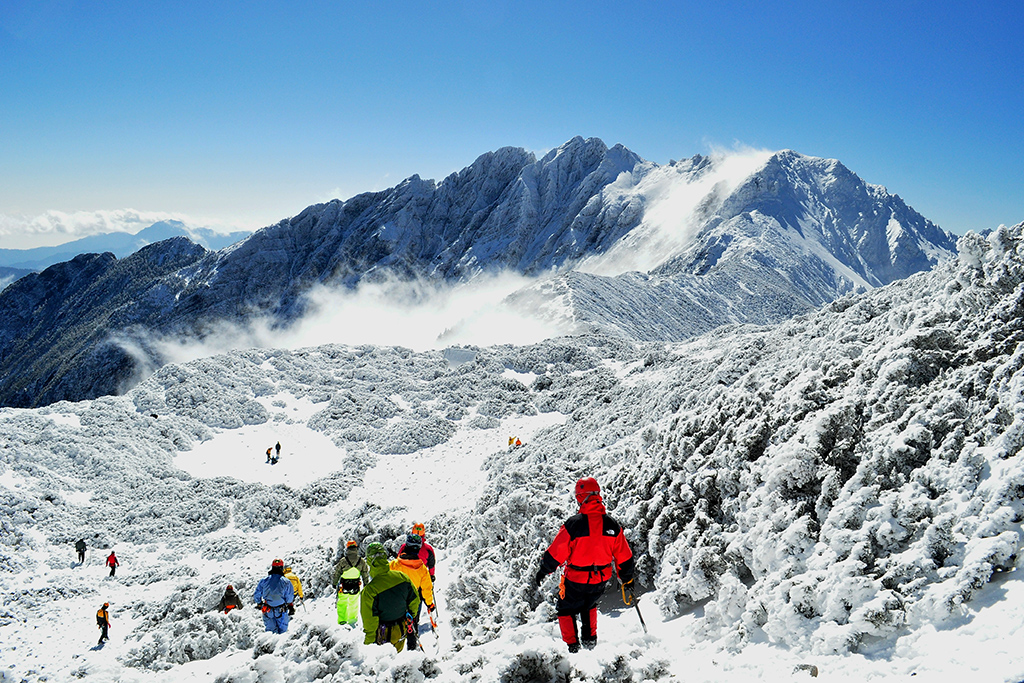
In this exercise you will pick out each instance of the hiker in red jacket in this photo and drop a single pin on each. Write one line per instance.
(112, 562)
(589, 545)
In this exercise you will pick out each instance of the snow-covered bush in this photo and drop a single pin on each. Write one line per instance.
(409, 436)
(202, 636)
(264, 509)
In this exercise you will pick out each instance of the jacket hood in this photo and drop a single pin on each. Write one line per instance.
(593, 505)
(413, 562)
(377, 558)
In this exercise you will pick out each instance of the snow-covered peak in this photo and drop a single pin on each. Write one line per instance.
(647, 251)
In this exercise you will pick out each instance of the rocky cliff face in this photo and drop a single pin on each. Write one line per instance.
(624, 246)
(61, 329)
(795, 233)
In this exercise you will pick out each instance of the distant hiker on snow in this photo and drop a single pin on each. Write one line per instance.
(426, 551)
(269, 458)
(587, 545)
(410, 564)
(80, 548)
(103, 622)
(350, 574)
(277, 448)
(511, 442)
(387, 603)
(296, 584)
(230, 600)
(519, 444)
(112, 562)
(274, 596)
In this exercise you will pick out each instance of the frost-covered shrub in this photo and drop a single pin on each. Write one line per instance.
(215, 392)
(228, 547)
(538, 666)
(484, 422)
(327, 490)
(265, 509)
(200, 637)
(409, 436)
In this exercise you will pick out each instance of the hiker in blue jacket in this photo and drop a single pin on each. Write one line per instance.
(274, 596)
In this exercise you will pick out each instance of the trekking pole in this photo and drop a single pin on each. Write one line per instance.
(632, 601)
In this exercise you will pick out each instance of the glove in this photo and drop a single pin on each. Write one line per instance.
(291, 610)
(540, 577)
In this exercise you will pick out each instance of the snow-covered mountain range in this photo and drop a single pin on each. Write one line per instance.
(842, 490)
(616, 245)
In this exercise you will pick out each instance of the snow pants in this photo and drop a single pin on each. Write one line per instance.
(394, 633)
(581, 599)
(348, 608)
(275, 619)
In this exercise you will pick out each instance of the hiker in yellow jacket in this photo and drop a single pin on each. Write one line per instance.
(410, 564)
(296, 584)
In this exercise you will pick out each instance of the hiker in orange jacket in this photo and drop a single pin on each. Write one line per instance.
(410, 564)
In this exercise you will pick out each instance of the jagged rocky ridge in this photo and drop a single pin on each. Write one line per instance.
(786, 235)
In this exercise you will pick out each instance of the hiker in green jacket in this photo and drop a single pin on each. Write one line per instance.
(387, 602)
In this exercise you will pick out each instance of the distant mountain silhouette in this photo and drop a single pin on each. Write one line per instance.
(120, 244)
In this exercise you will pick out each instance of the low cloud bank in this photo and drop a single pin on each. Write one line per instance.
(54, 228)
(418, 315)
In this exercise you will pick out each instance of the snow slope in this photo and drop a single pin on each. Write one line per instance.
(841, 490)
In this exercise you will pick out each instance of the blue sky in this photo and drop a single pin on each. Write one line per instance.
(240, 114)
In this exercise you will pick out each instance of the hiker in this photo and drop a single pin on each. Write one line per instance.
(103, 622)
(410, 564)
(230, 600)
(587, 545)
(519, 444)
(269, 460)
(387, 603)
(112, 562)
(274, 596)
(296, 584)
(511, 442)
(350, 574)
(80, 547)
(426, 550)
(278, 449)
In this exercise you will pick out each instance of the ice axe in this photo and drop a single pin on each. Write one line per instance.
(631, 600)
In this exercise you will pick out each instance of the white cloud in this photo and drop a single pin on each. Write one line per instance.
(418, 315)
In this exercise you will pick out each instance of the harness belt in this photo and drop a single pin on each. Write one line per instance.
(591, 569)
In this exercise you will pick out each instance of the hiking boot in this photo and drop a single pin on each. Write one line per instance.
(574, 648)
(590, 643)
